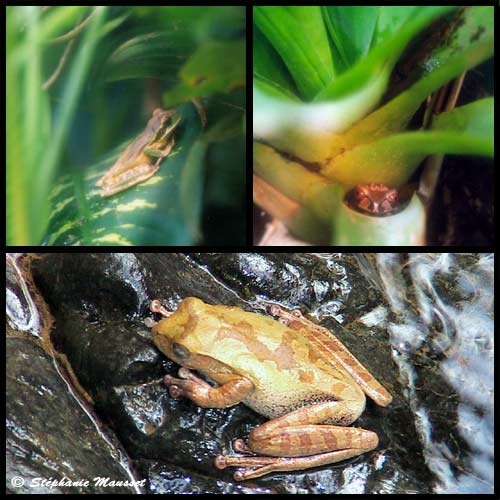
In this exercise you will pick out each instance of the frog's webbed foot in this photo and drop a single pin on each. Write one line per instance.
(289, 318)
(156, 307)
(256, 466)
(187, 386)
(250, 466)
(203, 394)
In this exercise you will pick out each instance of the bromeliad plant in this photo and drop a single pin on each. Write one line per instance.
(331, 117)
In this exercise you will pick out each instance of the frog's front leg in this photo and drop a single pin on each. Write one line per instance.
(233, 390)
(160, 153)
(156, 307)
(296, 441)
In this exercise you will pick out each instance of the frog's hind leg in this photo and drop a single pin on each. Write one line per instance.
(351, 441)
(259, 466)
(299, 440)
(129, 179)
(327, 342)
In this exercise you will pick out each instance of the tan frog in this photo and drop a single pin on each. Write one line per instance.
(293, 372)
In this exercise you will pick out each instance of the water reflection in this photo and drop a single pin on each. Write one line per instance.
(443, 342)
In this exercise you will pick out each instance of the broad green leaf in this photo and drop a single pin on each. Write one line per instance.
(268, 65)
(390, 19)
(217, 66)
(351, 29)
(273, 89)
(393, 159)
(382, 57)
(191, 190)
(475, 120)
(275, 118)
(468, 46)
(138, 56)
(298, 34)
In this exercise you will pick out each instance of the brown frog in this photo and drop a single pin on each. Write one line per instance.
(375, 198)
(294, 372)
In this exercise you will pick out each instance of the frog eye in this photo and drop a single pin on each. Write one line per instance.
(392, 195)
(180, 351)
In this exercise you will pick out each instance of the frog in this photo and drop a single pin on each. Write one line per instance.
(142, 157)
(290, 370)
(375, 198)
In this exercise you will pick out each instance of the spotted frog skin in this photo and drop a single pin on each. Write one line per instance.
(376, 198)
(292, 371)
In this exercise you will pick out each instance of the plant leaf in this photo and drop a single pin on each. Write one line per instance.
(382, 57)
(462, 51)
(216, 66)
(298, 34)
(308, 130)
(391, 19)
(351, 29)
(271, 88)
(343, 102)
(474, 120)
(268, 65)
(393, 159)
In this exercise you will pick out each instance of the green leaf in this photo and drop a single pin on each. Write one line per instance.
(268, 65)
(298, 34)
(351, 29)
(307, 130)
(391, 19)
(382, 57)
(348, 99)
(139, 56)
(272, 88)
(472, 120)
(191, 189)
(393, 159)
(215, 67)
(31, 173)
(468, 46)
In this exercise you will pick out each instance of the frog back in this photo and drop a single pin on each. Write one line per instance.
(286, 369)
